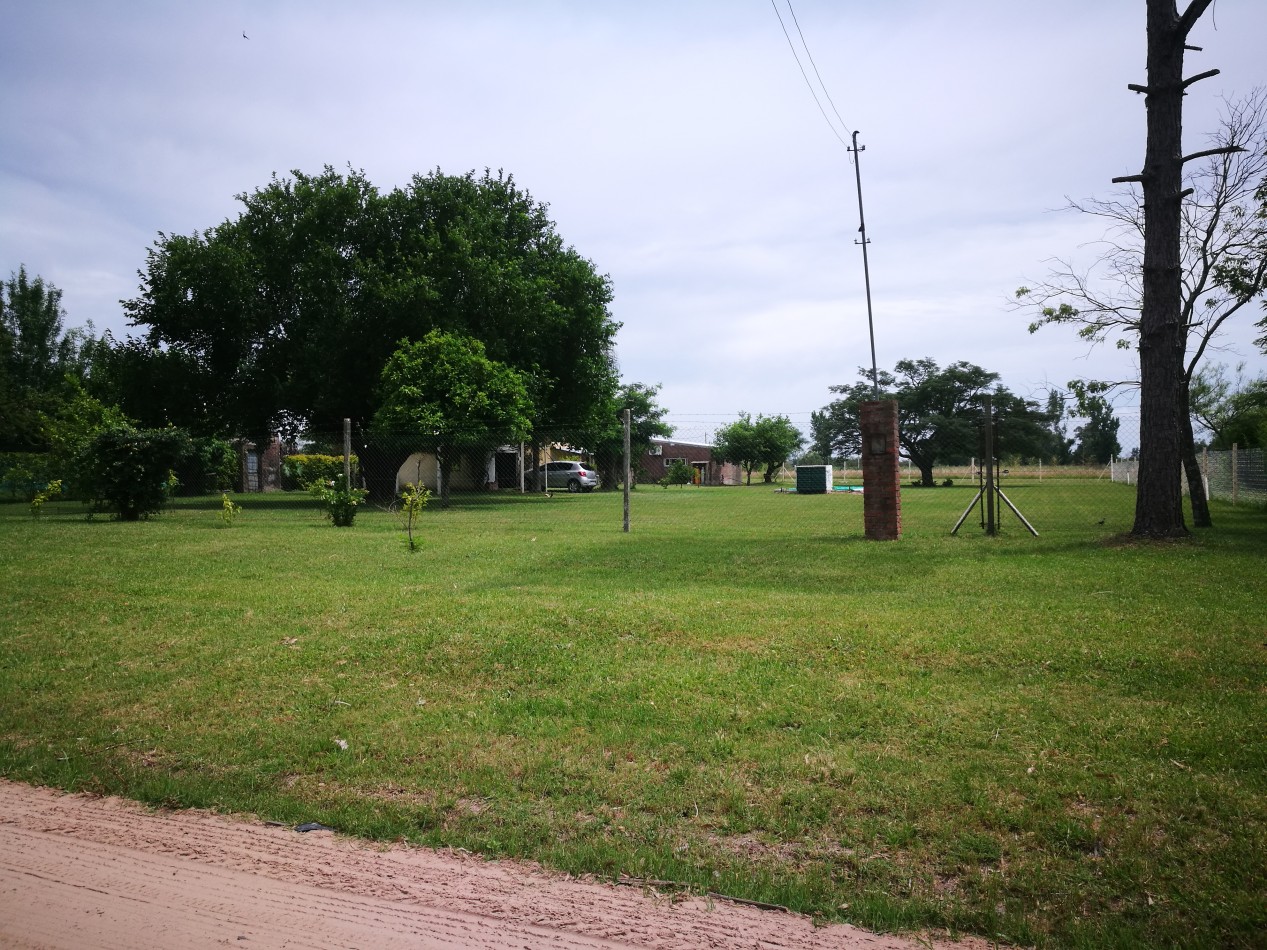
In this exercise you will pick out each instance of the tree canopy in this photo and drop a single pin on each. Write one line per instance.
(294, 306)
(939, 415)
(646, 421)
(752, 443)
(442, 392)
(42, 364)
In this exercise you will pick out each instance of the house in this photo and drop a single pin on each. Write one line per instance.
(699, 455)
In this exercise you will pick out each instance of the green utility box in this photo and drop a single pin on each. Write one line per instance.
(813, 479)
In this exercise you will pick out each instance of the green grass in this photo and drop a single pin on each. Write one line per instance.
(1059, 741)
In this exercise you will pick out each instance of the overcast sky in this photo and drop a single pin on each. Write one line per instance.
(676, 143)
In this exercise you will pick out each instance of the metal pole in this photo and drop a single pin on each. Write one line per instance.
(347, 453)
(866, 269)
(990, 526)
(628, 468)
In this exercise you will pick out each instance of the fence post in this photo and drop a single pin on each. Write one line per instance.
(628, 468)
(1235, 467)
(1205, 470)
(347, 454)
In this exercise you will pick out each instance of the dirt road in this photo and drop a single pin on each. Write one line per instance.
(82, 871)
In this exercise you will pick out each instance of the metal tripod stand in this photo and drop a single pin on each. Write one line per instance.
(990, 490)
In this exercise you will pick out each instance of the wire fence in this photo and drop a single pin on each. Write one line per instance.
(675, 483)
(1238, 476)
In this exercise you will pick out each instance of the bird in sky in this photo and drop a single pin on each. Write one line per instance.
(244, 36)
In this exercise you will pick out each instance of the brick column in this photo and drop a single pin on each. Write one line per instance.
(881, 475)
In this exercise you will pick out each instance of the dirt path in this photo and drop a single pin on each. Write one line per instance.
(82, 871)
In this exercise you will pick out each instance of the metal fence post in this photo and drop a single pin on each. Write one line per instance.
(1235, 472)
(628, 468)
(347, 454)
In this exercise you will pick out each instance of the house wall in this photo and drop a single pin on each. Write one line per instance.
(715, 473)
(423, 470)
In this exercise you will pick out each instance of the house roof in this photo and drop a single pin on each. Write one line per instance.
(660, 440)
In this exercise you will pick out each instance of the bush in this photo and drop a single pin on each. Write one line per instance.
(210, 465)
(23, 474)
(678, 473)
(948, 483)
(300, 471)
(340, 500)
(130, 471)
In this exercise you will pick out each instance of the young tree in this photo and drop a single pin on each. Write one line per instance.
(1223, 265)
(444, 393)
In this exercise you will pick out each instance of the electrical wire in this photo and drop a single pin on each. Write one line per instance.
(805, 76)
(843, 124)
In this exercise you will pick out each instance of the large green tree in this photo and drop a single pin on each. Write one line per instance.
(42, 363)
(767, 441)
(939, 415)
(646, 421)
(1232, 409)
(1097, 436)
(443, 393)
(294, 306)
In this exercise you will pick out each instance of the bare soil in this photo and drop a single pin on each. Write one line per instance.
(86, 871)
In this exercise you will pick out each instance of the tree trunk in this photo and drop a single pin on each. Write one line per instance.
(1192, 468)
(379, 465)
(446, 470)
(925, 474)
(1159, 496)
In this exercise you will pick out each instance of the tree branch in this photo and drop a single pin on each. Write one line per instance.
(1189, 17)
(1225, 150)
(1127, 178)
(1136, 87)
(1198, 77)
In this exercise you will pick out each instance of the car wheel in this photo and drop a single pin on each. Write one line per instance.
(574, 486)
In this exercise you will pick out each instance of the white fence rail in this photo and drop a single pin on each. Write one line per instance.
(1237, 475)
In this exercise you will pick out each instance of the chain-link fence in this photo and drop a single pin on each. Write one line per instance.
(1235, 475)
(678, 484)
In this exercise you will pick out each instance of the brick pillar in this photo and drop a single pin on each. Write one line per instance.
(881, 475)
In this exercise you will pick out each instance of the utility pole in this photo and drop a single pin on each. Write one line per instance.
(866, 268)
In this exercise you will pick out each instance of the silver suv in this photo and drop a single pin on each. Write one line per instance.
(573, 476)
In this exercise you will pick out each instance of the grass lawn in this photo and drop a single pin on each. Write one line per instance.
(1058, 740)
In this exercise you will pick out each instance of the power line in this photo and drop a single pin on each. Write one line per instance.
(822, 84)
(805, 76)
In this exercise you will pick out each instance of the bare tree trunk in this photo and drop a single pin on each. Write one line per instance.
(1192, 468)
(1159, 496)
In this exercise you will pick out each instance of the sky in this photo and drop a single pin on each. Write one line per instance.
(677, 144)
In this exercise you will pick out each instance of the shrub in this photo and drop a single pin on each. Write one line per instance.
(228, 509)
(210, 465)
(52, 490)
(340, 500)
(948, 483)
(23, 474)
(300, 471)
(678, 473)
(412, 500)
(130, 471)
